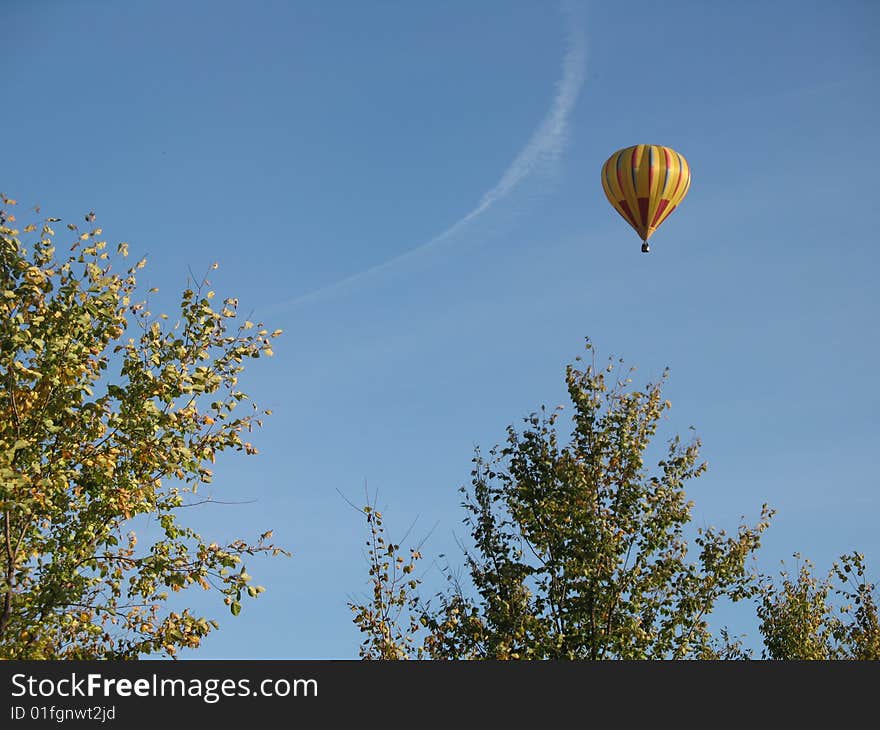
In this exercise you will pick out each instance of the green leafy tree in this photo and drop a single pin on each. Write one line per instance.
(833, 617)
(389, 619)
(107, 413)
(579, 551)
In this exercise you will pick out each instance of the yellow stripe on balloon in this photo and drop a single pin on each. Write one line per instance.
(657, 175)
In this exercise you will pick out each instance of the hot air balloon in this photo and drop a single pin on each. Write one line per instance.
(645, 183)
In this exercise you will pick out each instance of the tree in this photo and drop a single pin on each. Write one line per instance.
(578, 551)
(390, 619)
(799, 618)
(107, 413)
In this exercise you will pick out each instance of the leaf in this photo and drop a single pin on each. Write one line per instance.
(235, 608)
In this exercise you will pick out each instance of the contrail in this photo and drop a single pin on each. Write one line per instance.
(543, 148)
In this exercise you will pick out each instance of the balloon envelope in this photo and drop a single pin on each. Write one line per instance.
(645, 183)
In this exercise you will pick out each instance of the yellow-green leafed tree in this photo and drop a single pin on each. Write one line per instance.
(805, 616)
(107, 412)
(580, 550)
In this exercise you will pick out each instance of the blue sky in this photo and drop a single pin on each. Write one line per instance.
(301, 145)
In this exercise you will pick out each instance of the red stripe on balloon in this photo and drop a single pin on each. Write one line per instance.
(643, 210)
(620, 174)
(629, 215)
(659, 214)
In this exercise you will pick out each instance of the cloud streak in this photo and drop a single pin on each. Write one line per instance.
(542, 151)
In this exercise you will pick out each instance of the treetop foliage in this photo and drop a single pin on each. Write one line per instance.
(107, 412)
(579, 550)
